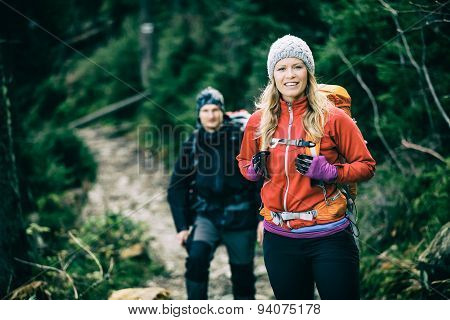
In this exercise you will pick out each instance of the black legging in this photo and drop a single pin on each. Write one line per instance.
(294, 265)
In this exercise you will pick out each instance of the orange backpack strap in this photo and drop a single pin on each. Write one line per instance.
(312, 151)
(341, 99)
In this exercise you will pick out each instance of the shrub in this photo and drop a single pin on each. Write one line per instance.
(93, 261)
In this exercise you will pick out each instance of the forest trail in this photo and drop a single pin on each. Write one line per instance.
(141, 195)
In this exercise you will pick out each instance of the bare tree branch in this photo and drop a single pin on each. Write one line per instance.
(376, 119)
(423, 6)
(423, 11)
(433, 93)
(400, 53)
(422, 90)
(417, 147)
(422, 71)
(90, 33)
(394, 14)
(427, 24)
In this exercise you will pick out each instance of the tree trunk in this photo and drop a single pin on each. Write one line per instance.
(12, 234)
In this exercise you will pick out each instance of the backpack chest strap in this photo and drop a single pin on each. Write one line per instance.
(292, 142)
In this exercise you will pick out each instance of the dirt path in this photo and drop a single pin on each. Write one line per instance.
(141, 194)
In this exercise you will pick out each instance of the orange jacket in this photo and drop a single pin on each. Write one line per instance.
(287, 189)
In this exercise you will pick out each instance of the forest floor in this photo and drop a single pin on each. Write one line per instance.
(138, 190)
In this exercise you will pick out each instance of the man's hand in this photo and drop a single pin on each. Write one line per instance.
(182, 237)
(260, 232)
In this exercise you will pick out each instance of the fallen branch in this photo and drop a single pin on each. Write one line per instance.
(49, 268)
(89, 252)
(108, 109)
(96, 283)
(417, 147)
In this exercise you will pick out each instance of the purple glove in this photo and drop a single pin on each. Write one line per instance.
(316, 168)
(252, 175)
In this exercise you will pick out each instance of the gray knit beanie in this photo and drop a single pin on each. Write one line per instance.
(210, 95)
(289, 47)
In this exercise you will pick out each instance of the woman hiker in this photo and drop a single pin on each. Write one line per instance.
(294, 142)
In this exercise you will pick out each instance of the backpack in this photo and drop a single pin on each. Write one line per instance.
(239, 118)
(342, 100)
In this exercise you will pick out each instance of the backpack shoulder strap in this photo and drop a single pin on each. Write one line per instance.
(194, 149)
(312, 151)
(340, 97)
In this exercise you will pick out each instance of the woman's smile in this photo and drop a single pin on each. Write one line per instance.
(290, 77)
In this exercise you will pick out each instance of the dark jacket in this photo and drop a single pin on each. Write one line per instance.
(208, 168)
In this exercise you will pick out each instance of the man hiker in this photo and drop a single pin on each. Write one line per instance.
(212, 203)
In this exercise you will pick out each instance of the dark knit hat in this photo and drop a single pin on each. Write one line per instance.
(210, 95)
(289, 47)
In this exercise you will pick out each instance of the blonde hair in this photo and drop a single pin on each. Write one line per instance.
(313, 120)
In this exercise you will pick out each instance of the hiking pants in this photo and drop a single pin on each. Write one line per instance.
(294, 265)
(240, 245)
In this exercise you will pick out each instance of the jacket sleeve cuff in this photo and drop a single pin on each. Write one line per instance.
(340, 173)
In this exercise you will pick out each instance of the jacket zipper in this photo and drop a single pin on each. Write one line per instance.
(291, 118)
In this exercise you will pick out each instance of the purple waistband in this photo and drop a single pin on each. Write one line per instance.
(317, 234)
